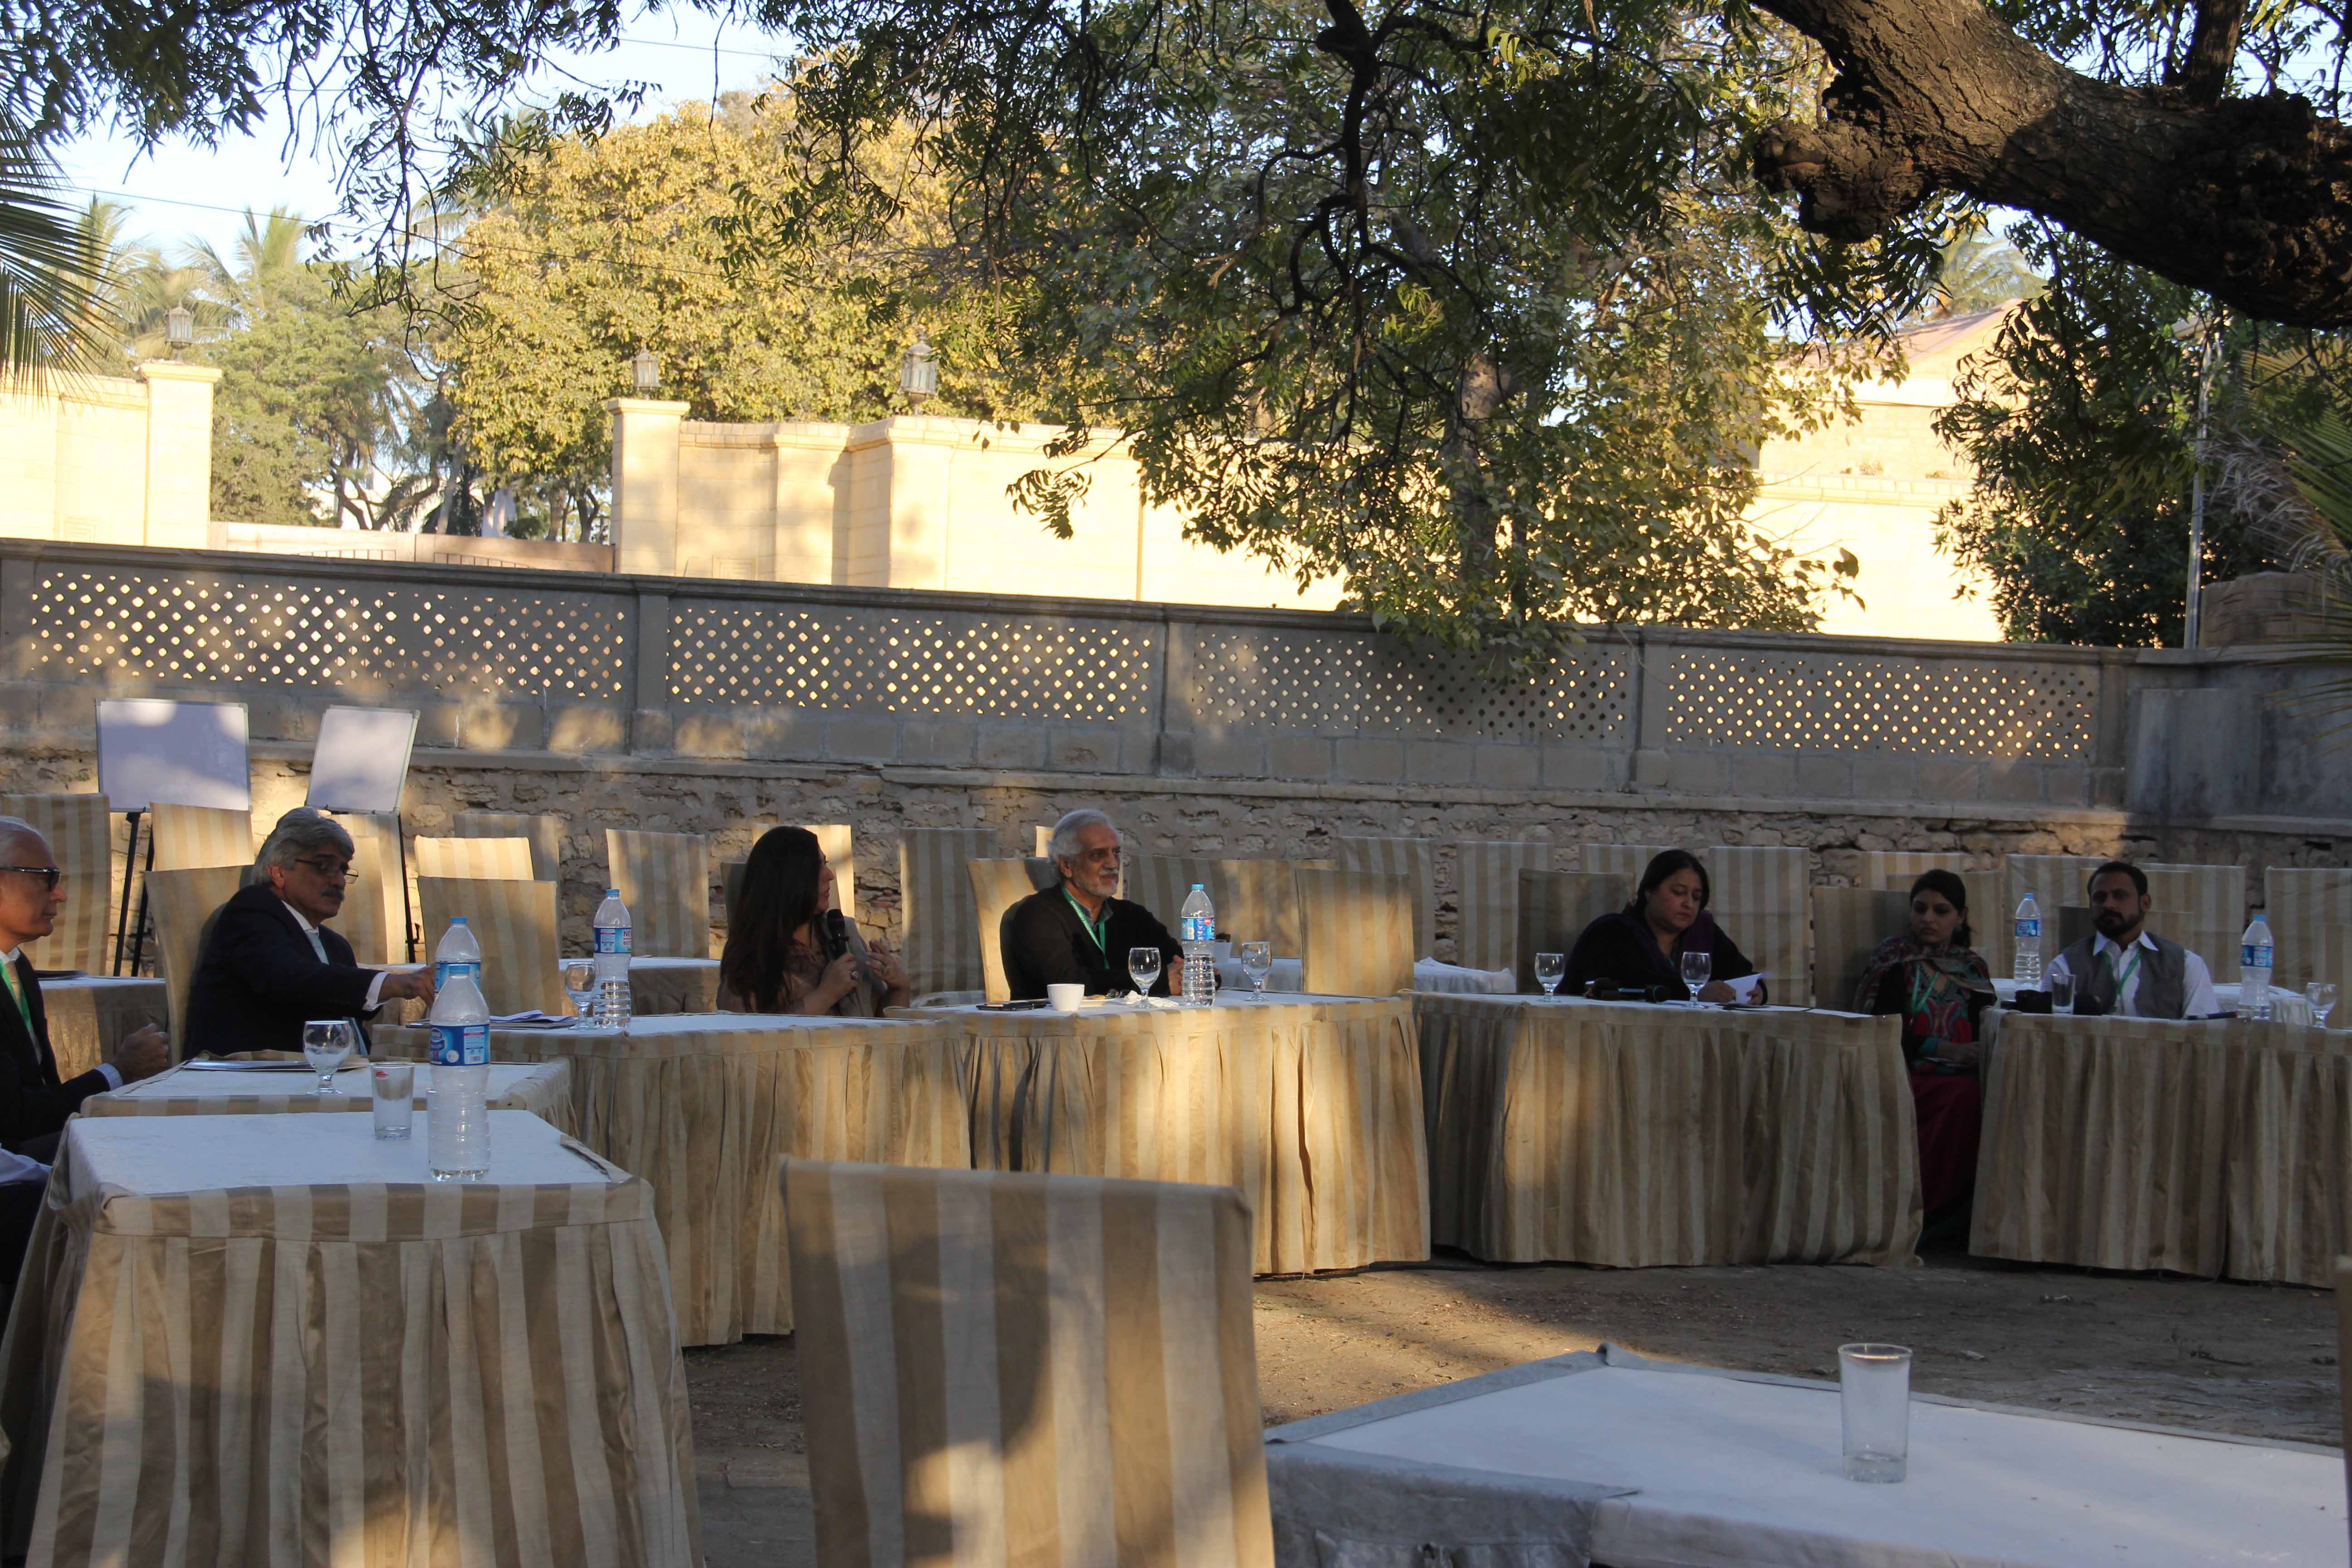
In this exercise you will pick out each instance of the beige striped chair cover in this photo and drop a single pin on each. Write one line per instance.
(1763, 895)
(665, 879)
(1161, 883)
(938, 924)
(1486, 895)
(2208, 902)
(545, 833)
(1015, 1368)
(839, 844)
(1257, 900)
(1356, 931)
(2334, 965)
(478, 860)
(1894, 869)
(2297, 903)
(996, 886)
(374, 918)
(1619, 860)
(1041, 842)
(191, 835)
(1848, 925)
(183, 903)
(514, 924)
(80, 832)
(1414, 860)
(1554, 908)
(2056, 881)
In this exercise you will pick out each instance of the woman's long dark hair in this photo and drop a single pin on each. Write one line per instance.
(778, 897)
(1662, 865)
(1949, 883)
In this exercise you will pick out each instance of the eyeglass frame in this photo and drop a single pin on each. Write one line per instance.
(346, 872)
(55, 874)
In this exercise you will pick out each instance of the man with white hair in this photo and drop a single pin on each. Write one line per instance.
(1079, 931)
(270, 962)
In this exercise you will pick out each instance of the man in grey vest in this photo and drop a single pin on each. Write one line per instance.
(2121, 968)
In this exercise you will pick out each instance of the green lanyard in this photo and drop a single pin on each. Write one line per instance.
(2128, 970)
(1101, 934)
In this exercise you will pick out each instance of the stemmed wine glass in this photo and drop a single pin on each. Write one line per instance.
(1551, 968)
(2321, 995)
(580, 985)
(1696, 967)
(1258, 963)
(1143, 967)
(326, 1042)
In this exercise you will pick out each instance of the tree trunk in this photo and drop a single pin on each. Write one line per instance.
(2249, 199)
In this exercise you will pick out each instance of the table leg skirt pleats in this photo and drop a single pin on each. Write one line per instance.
(1633, 1136)
(2289, 1175)
(378, 1375)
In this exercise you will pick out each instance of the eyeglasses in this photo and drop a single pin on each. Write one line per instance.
(334, 871)
(50, 875)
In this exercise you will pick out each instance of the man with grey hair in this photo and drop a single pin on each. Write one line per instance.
(270, 962)
(1079, 931)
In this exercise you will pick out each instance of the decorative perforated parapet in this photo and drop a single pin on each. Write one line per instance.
(836, 659)
(1776, 701)
(104, 623)
(1358, 683)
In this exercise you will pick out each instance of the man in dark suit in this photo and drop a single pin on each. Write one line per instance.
(270, 964)
(1077, 930)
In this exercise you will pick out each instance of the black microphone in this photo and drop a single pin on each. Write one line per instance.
(836, 933)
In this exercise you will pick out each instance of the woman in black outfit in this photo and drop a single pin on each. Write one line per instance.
(1640, 948)
(784, 955)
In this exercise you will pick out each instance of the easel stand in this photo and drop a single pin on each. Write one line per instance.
(129, 864)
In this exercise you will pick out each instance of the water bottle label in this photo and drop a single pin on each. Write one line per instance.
(612, 938)
(445, 972)
(2029, 930)
(461, 1045)
(1197, 928)
(2253, 957)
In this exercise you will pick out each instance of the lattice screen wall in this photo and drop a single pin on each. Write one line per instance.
(1301, 681)
(1726, 697)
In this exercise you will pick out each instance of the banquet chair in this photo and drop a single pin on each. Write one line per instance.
(1618, 859)
(2212, 901)
(1257, 900)
(514, 922)
(2299, 904)
(544, 832)
(1849, 924)
(1487, 898)
(1161, 883)
(475, 859)
(2054, 881)
(665, 879)
(1356, 934)
(374, 918)
(1010, 1367)
(835, 840)
(1895, 869)
(80, 831)
(939, 932)
(185, 837)
(1415, 860)
(996, 886)
(1554, 908)
(183, 902)
(1763, 897)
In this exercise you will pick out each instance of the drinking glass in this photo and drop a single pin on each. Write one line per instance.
(1550, 969)
(1874, 1401)
(1258, 963)
(2321, 995)
(1696, 967)
(580, 985)
(395, 1091)
(2062, 989)
(324, 1046)
(1143, 967)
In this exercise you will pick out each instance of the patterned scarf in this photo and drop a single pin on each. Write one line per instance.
(1936, 986)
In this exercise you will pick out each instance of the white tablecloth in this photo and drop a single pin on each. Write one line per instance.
(1428, 974)
(2286, 1006)
(1711, 1469)
(152, 1154)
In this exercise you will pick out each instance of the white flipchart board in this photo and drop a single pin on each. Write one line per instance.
(154, 752)
(361, 763)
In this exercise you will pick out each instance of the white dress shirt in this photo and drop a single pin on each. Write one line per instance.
(107, 1070)
(2197, 998)
(319, 947)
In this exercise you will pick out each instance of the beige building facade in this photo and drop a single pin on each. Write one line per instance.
(110, 460)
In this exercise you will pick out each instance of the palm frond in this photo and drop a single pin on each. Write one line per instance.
(53, 315)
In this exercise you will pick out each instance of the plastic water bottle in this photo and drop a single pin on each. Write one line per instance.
(2254, 969)
(458, 955)
(2027, 969)
(613, 961)
(457, 1127)
(1197, 929)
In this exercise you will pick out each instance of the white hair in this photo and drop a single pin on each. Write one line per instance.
(14, 830)
(1064, 843)
(303, 831)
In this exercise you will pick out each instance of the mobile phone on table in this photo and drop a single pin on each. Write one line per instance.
(1030, 1005)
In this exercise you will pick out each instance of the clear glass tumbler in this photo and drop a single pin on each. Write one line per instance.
(2062, 989)
(1874, 1399)
(395, 1093)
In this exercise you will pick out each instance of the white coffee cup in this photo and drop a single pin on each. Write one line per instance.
(1065, 998)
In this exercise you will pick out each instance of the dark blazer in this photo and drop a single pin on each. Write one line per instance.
(33, 1104)
(1046, 943)
(258, 979)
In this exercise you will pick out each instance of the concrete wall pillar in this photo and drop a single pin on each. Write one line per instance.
(644, 484)
(179, 453)
(28, 463)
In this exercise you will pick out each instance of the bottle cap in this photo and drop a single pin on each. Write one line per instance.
(1197, 886)
(611, 892)
(457, 919)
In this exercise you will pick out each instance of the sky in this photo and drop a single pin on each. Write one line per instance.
(183, 190)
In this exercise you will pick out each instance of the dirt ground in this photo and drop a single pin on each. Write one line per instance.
(2254, 1360)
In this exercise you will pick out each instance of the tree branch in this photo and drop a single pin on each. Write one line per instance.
(2249, 199)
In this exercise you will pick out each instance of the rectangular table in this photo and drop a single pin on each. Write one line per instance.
(1309, 1105)
(705, 1106)
(89, 1016)
(543, 1089)
(1642, 1464)
(2205, 1147)
(272, 1339)
(1633, 1135)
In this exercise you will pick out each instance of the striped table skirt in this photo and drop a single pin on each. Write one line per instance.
(1310, 1107)
(2208, 1148)
(706, 1106)
(1631, 1136)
